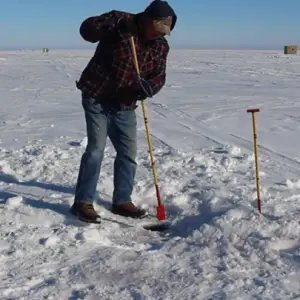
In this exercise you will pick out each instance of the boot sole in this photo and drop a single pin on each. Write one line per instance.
(129, 215)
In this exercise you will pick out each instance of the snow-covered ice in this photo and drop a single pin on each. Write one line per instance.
(218, 246)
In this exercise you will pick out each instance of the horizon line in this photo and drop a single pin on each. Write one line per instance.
(35, 48)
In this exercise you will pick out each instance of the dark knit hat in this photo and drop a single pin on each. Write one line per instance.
(159, 9)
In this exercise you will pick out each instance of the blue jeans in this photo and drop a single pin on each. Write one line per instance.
(120, 127)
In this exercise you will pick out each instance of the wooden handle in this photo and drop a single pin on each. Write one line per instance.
(135, 60)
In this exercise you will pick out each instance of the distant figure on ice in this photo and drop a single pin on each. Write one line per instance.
(110, 90)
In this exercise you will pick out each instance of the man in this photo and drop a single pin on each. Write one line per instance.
(110, 90)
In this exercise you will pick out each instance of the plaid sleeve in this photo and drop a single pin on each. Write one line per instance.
(123, 64)
(93, 29)
(157, 78)
(124, 68)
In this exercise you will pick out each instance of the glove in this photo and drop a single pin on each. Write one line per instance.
(146, 88)
(126, 26)
(141, 90)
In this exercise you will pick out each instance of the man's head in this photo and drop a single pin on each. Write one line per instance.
(159, 19)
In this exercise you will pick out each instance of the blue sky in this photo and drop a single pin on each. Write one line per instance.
(258, 24)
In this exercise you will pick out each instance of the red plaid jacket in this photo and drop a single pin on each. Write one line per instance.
(111, 73)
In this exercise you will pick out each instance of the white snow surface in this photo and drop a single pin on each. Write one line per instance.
(218, 246)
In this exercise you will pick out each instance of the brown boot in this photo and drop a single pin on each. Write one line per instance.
(128, 210)
(85, 212)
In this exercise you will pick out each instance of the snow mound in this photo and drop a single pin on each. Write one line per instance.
(216, 233)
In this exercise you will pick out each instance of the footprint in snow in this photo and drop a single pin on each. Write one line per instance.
(50, 241)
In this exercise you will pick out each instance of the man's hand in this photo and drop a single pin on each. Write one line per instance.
(146, 88)
(141, 90)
